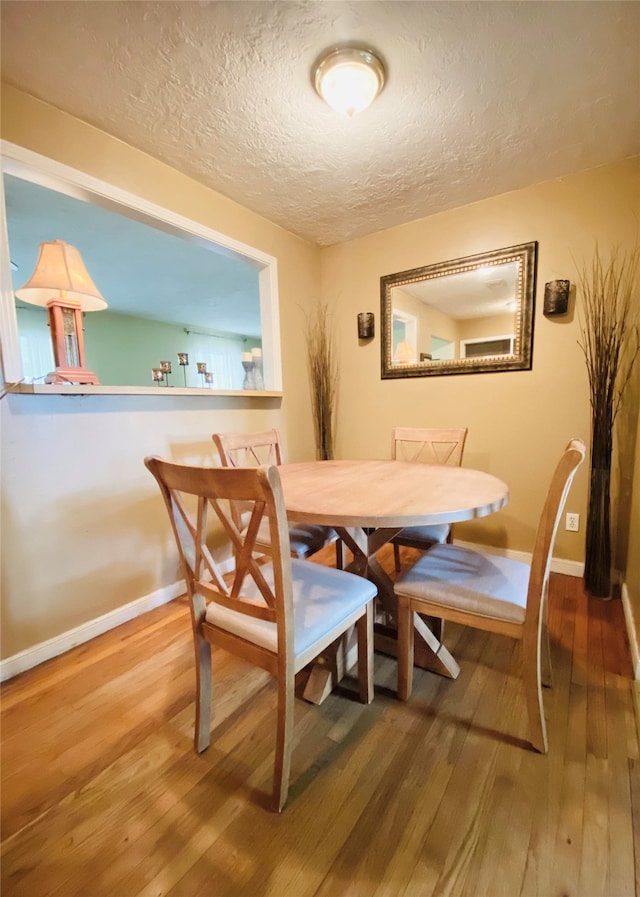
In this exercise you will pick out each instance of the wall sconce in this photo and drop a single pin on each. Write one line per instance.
(556, 297)
(366, 325)
(61, 284)
(349, 79)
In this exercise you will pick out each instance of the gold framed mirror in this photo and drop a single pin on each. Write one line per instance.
(465, 316)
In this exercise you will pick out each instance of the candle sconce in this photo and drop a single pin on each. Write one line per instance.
(208, 378)
(157, 375)
(165, 367)
(366, 325)
(556, 298)
(183, 361)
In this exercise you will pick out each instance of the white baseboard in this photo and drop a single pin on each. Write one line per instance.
(37, 654)
(558, 565)
(631, 632)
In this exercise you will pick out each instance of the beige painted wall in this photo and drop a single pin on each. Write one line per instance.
(482, 328)
(83, 527)
(520, 421)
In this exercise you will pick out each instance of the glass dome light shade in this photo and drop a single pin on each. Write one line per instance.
(349, 79)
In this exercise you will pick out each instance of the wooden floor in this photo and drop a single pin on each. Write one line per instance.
(102, 793)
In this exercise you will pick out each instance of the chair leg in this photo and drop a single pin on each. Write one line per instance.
(364, 628)
(546, 671)
(284, 741)
(396, 557)
(341, 549)
(405, 648)
(533, 693)
(203, 693)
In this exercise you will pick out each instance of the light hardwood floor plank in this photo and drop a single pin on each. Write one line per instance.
(543, 780)
(102, 793)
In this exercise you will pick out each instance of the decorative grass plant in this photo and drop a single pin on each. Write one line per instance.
(610, 342)
(323, 379)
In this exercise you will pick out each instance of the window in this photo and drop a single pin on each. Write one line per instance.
(497, 345)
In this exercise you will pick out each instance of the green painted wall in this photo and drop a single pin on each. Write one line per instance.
(123, 349)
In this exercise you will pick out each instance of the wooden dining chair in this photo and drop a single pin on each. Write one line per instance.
(430, 445)
(490, 592)
(279, 614)
(250, 450)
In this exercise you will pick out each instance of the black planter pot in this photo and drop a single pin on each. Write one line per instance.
(597, 568)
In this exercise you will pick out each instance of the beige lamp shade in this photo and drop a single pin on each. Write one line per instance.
(60, 274)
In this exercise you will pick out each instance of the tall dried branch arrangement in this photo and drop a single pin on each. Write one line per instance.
(610, 343)
(323, 379)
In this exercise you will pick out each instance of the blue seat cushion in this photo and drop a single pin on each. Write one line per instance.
(323, 598)
(474, 582)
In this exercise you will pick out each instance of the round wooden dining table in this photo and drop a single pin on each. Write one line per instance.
(368, 502)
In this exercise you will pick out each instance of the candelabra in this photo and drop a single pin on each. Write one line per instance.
(165, 367)
(183, 361)
(157, 375)
(202, 370)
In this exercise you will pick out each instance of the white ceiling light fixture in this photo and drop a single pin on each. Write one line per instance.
(349, 79)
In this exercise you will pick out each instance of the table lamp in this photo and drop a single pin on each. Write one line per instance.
(61, 284)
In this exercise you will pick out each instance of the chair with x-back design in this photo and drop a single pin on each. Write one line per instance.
(250, 450)
(491, 592)
(279, 614)
(430, 446)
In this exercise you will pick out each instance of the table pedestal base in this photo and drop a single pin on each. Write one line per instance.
(430, 653)
(330, 667)
(368, 502)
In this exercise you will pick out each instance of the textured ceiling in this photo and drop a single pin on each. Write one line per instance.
(481, 98)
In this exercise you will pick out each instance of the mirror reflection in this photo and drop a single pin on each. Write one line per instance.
(174, 305)
(463, 316)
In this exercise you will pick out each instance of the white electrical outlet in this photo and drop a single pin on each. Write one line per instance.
(573, 522)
